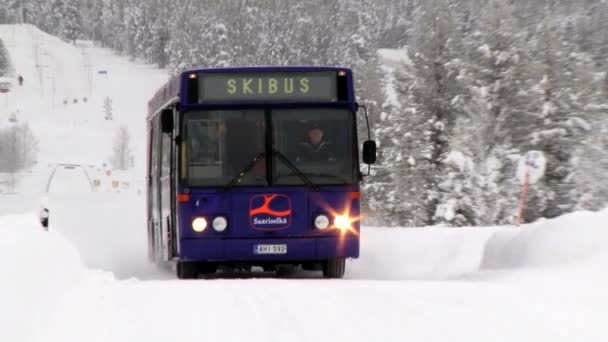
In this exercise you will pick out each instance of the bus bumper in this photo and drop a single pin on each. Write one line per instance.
(298, 249)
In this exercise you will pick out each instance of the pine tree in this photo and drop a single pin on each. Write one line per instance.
(6, 67)
(437, 56)
(160, 39)
(71, 21)
(185, 50)
(113, 13)
(561, 82)
(91, 13)
(405, 149)
(19, 148)
(484, 145)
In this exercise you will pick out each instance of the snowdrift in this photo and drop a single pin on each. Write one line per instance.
(575, 238)
(69, 303)
(418, 253)
(36, 267)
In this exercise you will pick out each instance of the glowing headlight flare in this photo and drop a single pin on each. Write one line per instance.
(342, 222)
(220, 224)
(199, 224)
(322, 222)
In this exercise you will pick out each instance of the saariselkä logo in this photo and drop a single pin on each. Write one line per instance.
(276, 220)
(270, 211)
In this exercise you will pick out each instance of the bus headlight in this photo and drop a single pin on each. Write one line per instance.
(342, 222)
(219, 224)
(322, 222)
(199, 224)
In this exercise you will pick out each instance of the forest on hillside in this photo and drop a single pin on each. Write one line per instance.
(484, 82)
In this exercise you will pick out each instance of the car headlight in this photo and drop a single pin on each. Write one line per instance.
(322, 222)
(199, 224)
(219, 224)
(342, 222)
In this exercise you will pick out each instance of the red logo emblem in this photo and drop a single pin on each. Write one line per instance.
(270, 211)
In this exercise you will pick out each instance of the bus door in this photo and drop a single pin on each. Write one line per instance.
(153, 189)
(167, 194)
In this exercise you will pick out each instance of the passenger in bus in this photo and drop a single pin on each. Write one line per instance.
(316, 148)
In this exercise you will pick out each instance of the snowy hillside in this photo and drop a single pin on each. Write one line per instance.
(58, 79)
(88, 278)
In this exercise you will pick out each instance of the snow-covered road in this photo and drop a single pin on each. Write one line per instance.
(88, 278)
(423, 284)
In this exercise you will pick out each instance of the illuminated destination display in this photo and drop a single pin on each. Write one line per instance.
(284, 86)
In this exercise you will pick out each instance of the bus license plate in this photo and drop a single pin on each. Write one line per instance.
(270, 249)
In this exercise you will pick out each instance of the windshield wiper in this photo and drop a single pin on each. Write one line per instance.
(246, 170)
(293, 168)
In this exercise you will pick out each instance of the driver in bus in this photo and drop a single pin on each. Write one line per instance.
(316, 148)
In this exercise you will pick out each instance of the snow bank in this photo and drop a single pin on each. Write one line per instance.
(36, 268)
(11, 204)
(108, 230)
(575, 238)
(418, 253)
(578, 240)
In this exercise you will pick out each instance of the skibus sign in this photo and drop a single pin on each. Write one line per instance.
(317, 86)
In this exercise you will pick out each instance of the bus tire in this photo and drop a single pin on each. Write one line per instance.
(207, 268)
(334, 268)
(186, 270)
(151, 251)
(284, 271)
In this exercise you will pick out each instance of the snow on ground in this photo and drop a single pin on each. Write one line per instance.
(37, 267)
(87, 279)
(427, 284)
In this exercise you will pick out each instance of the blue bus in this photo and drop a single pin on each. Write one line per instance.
(255, 166)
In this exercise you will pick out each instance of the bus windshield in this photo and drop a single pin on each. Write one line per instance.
(314, 145)
(319, 143)
(219, 144)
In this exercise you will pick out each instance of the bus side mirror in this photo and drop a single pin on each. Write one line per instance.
(369, 152)
(166, 120)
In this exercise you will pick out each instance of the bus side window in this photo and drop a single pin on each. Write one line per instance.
(165, 149)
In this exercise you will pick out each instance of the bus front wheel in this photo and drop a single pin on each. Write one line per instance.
(334, 268)
(187, 270)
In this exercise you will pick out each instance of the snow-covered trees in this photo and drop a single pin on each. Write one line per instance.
(477, 85)
(71, 20)
(18, 151)
(6, 67)
(438, 64)
(497, 89)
